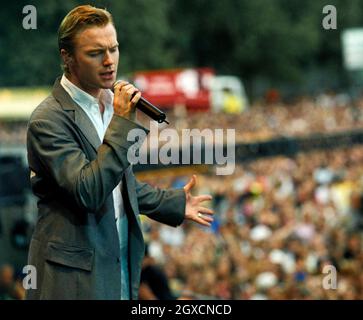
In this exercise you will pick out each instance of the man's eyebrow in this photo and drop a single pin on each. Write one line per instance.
(99, 47)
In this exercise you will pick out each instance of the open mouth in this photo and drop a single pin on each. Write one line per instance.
(107, 75)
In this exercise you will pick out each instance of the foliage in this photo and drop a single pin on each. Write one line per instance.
(276, 42)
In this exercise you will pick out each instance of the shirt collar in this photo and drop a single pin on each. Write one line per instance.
(84, 98)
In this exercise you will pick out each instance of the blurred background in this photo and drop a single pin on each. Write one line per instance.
(290, 88)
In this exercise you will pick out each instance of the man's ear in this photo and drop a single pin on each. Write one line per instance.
(66, 57)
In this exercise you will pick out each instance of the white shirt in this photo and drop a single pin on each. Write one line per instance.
(90, 105)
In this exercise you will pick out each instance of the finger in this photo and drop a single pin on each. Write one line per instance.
(116, 99)
(205, 210)
(119, 84)
(190, 184)
(201, 219)
(125, 88)
(203, 197)
(131, 92)
(126, 97)
(203, 222)
(136, 98)
(120, 93)
(207, 218)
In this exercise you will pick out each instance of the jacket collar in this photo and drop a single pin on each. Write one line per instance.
(80, 117)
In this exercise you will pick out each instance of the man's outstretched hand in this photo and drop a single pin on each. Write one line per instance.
(194, 210)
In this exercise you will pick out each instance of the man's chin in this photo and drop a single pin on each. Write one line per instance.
(108, 84)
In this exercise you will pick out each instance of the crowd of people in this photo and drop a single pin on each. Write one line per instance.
(285, 228)
(261, 122)
(11, 287)
(13, 133)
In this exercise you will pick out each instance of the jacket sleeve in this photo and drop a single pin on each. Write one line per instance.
(89, 183)
(163, 205)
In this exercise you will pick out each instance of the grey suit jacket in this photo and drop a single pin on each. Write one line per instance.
(75, 246)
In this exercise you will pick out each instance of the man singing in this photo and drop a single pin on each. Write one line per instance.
(87, 242)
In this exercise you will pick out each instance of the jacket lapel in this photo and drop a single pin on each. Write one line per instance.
(80, 117)
(87, 127)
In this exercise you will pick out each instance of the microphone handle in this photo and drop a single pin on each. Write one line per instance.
(149, 109)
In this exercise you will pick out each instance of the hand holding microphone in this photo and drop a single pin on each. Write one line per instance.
(127, 98)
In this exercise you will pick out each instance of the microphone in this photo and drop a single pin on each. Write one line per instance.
(147, 107)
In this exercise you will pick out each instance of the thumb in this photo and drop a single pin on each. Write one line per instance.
(191, 183)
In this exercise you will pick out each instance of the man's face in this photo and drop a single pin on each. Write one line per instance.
(95, 58)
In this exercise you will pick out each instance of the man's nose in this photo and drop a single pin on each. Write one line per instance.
(107, 59)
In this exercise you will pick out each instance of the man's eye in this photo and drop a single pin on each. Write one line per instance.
(113, 49)
(93, 54)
